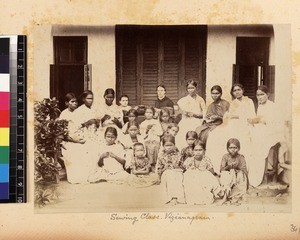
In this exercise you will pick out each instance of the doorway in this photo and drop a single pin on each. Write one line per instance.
(252, 67)
(70, 71)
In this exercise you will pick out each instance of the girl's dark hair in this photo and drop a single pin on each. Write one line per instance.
(199, 143)
(111, 130)
(162, 86)
(234, 141)
(124, 95)
(216, 87)
(85, 94)
(134, 111)
(137, 144)
(150, 107)
(192, 82)
(263, 88)
(69, 97)
(168, 138)
(236, 85)
(192, 134)
(162, 111)
(109, 91)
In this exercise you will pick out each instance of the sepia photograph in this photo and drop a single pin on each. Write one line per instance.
(184, 118)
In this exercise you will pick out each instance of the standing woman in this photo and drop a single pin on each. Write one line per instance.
(214, 114)
(267, 132)
(235, 125)
(192, 108)
(78, 156)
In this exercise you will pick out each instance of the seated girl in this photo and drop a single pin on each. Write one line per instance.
(140, 168)
(234, 177)
(151, 130)
(132, 115)
(124, 99)
(200, 183)
(111, 160)
(164, 119)
(191, 137)
(129, 139)
(169, 168)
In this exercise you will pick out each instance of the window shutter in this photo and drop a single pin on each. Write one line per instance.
(149, 70)
(171, 67)
(127, 74)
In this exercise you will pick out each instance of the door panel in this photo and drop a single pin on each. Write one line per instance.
(152, 55)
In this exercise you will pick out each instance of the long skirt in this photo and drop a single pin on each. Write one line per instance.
(172, 182)
(146, 180)
(235, 182)
(152, 149)
(200, 187)
(101, 173)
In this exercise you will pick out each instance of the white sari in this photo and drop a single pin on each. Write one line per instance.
(78, 157)
(265, 134)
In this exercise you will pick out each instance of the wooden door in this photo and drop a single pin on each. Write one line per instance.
(70, 73)
(152, 55)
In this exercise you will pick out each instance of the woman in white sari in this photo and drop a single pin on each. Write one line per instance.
(80, 157)
(192, 108)
(267, 131)
(235, 125)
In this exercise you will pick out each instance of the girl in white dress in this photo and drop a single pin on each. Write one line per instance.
(193, 109)
(200, 183)
(111, 160)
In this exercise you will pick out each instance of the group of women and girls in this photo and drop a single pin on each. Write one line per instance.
(208, 153)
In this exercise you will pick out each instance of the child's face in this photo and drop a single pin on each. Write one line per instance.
(190, 141)
(199, 151)
(72, 104)
(165, 117)
(133, 131)
(173, 131)
(109, 98)
(88, 100)
(233, 149)
(169, 146)
(110, 138)
(191, 89)
(148, 114)
(131, 117)
(124, 101)
(139, 151)
(215, 95)
(262, 97)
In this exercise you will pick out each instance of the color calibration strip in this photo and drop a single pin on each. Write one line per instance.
(4, 118)
(17, 130)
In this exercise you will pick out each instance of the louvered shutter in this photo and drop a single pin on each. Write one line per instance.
(149, 70)
(171, 67)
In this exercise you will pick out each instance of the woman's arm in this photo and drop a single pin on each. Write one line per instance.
(120, 160)
(141, 171)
